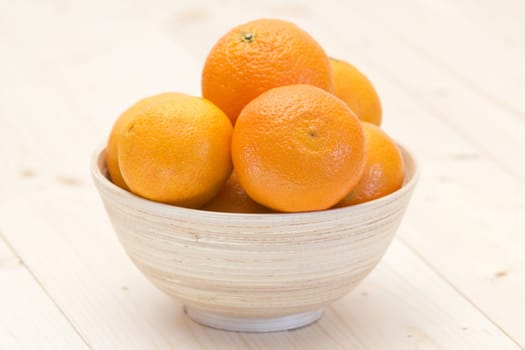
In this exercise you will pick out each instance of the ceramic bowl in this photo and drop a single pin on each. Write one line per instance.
(253, 272)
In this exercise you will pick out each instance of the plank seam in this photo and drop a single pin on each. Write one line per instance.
(457, 290)
(449, 124)
(41, 286)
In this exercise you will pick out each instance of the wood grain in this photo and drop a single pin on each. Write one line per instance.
(441, 88)
(480, 45)
(470, 145)
(69, 68)
(29, 319)
(402, 304)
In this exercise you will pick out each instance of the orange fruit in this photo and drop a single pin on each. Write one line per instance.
(384, 169)
(176, 150)
(298, 148)
(353, 87)
(257, 56)
(118, 129)
(233, 199)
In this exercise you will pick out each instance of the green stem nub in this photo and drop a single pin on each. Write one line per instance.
(247, 37)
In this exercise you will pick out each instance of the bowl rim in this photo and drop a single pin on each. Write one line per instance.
(102, 180)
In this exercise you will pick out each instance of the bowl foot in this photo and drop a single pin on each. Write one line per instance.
(258, 325)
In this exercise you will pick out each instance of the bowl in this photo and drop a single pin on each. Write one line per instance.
(253, 272)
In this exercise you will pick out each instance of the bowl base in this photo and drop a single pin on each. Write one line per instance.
(257, 325)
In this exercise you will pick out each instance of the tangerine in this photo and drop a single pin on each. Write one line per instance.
(384, 169)
(257, 56)
(298, 148)
(177, 150)
(233, 199)
(357, 91)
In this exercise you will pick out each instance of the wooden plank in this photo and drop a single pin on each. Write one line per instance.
(470, 234)
(402, 304)
(444, 65)
(468, 206)
(98, 306)
(28, 318)
(480, 44)
(461, 138)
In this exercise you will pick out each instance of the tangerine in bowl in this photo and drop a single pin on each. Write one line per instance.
(254, 272)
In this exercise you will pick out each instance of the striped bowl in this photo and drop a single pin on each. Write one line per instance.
(253, 272)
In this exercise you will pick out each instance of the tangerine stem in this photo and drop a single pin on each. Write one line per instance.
(248, 37)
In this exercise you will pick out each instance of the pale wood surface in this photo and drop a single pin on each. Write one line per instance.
(451, 79)
(29, 319)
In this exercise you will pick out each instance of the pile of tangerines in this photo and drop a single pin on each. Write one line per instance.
(280, 127)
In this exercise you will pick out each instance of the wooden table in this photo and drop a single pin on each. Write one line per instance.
(451, 78)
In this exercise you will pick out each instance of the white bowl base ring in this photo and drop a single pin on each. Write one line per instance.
(256, 325)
